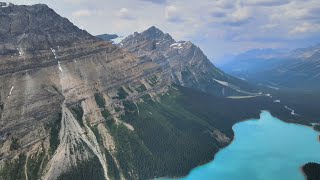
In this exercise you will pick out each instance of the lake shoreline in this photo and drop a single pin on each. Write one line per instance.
(234, 137)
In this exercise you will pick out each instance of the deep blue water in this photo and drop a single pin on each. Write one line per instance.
(263, 149)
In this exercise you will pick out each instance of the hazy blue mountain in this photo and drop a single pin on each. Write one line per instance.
(115, 39)
(107, 37)
(253, 61)
(293, 69)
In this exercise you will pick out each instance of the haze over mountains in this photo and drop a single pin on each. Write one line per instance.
(73, 106)
(279, 68)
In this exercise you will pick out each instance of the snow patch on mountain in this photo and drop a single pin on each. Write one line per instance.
(20, 51)
(11, 90)
(117, 40)
(177, 45)
(54, 52)
(221, 82)
(292, 110)
(59, 66)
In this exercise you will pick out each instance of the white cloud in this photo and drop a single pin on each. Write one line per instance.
(240, 16)
(82, 13)
(269, 26)
(27, 2)
(266, 2)
(156, 1)
(305, 28)
(125, 14)
(225, 4)
(172, 14)
(76, 1)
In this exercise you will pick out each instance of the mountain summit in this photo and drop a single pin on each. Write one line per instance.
(36, 27)
(185, 63)
(153, 33)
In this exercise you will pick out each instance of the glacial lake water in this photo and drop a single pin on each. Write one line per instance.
(263, 149)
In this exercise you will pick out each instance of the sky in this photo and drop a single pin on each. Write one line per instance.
(221, 28)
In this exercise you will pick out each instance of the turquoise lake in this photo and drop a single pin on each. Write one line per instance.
(263, 149)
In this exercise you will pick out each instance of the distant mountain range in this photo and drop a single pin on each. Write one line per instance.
(288, 69)
(107, 37)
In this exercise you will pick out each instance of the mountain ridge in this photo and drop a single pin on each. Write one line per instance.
(289, 69)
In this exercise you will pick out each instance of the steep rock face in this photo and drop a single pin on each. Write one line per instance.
(184, 62)
(32, 28)
(51, 74)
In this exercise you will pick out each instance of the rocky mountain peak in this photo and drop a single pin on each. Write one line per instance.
(153, 32)
(36, 36)
(36, 27)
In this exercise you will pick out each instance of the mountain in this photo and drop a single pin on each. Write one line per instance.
(107, 37)
(184, 63)
(115, 39)
(252, 61)
(279, 68)
(32, 28)
(73, 106)
(302, 69)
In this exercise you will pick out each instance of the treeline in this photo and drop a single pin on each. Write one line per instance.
(90, 169)
(14, 169)
(305, 103)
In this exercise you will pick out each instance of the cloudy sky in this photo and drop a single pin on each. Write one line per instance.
(220, 27)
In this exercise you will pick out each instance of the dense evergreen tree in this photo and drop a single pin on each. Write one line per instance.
(312, 171)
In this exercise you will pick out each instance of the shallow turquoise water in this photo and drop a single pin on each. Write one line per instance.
(263, 149)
